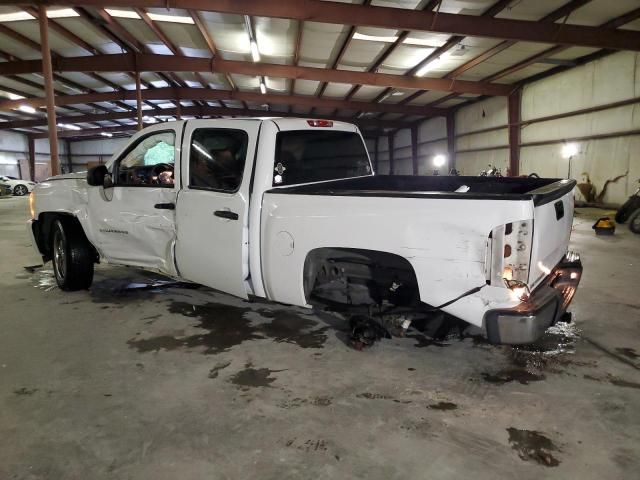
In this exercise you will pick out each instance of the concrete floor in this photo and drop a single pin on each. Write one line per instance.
(192, 384)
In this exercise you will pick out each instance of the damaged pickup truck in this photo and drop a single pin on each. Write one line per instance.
(290, 210)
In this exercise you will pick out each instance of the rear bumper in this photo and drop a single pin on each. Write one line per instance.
(547, 303)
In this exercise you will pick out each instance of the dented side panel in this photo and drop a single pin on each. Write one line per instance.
(444, 240)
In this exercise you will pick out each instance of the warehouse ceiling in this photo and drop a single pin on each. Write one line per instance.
(383, 64)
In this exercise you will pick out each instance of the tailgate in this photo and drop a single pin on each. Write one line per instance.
(553, 219)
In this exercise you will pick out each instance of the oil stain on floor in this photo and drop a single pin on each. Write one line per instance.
(443, 406)
(226, 326)
(532, 445)
(254, 377)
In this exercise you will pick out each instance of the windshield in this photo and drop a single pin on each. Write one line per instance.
(305, 156)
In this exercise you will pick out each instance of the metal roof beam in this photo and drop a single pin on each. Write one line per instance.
(165, 63)
(203, 94)
(397, 18)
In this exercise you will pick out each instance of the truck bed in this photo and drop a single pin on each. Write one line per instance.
(540, 190)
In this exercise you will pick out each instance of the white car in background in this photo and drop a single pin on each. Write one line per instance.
(18, 187)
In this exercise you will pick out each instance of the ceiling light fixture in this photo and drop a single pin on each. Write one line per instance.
(255, 53)
(122, 13)
(106, 134)
(419, 42)
(62, 13)
(68, 126)
(12, 96)
(428, 67)
(373, 38)
(15, 16)
(26, 109)
(263, 87)
(159, 17)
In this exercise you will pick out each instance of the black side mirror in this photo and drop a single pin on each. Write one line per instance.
(95, 175)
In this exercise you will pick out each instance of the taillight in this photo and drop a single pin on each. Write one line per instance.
(320, 123)
(510, 252)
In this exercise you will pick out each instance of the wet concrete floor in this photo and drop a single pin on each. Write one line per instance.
(138, 378)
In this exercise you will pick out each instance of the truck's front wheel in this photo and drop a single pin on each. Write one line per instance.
(72, 256)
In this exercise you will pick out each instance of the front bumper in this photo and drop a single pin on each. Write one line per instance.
(547, 303)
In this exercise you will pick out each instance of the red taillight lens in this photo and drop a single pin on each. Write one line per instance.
(320, 123)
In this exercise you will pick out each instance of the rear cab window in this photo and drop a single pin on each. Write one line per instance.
(306, 156)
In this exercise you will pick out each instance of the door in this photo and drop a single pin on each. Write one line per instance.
(133, 222)
(212, 209)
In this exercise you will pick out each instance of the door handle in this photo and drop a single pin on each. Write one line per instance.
(226, 214)
(165, 206)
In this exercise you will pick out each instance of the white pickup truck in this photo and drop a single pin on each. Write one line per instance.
(290, 210)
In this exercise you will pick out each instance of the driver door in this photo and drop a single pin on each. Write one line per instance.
(133, 222)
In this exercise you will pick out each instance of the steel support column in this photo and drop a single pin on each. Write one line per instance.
(48, 88)
(414, 148)
(391, 159)
(32, 159)
(138, 100)
(451, 139)
(514, 107)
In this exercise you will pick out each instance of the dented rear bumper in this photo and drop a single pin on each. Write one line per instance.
(527, 322)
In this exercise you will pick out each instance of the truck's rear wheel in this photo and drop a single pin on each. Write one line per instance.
(72, 256)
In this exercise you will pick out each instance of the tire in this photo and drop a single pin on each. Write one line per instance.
(20, 190)
(625, 211)
(72, 256)
(634, 222)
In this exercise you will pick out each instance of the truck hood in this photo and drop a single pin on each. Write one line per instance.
(71, 176)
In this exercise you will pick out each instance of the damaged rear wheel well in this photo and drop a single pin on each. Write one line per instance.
(359, 277)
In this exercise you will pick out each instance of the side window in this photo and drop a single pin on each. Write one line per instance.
(217, 158)
(149, 163)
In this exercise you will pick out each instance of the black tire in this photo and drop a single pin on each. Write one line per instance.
(634, 222)
(626, 210)
(20, 190)
(72, 256)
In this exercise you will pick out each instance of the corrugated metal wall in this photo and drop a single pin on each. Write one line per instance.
(475, 151)
(482, 136)
(14, 154)
(432, 141)
(612, 79)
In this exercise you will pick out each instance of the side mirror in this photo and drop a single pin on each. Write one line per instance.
(95, 175)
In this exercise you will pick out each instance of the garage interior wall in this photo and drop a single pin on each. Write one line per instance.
(91, 152)
(432, 141)
(14, 154)
(607, 140)
(611, 154)
(612, 79)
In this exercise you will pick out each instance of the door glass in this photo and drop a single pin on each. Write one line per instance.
(217, 159)
(150, 163)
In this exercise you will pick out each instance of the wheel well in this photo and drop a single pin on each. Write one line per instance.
(43, 231)
(364, 276)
